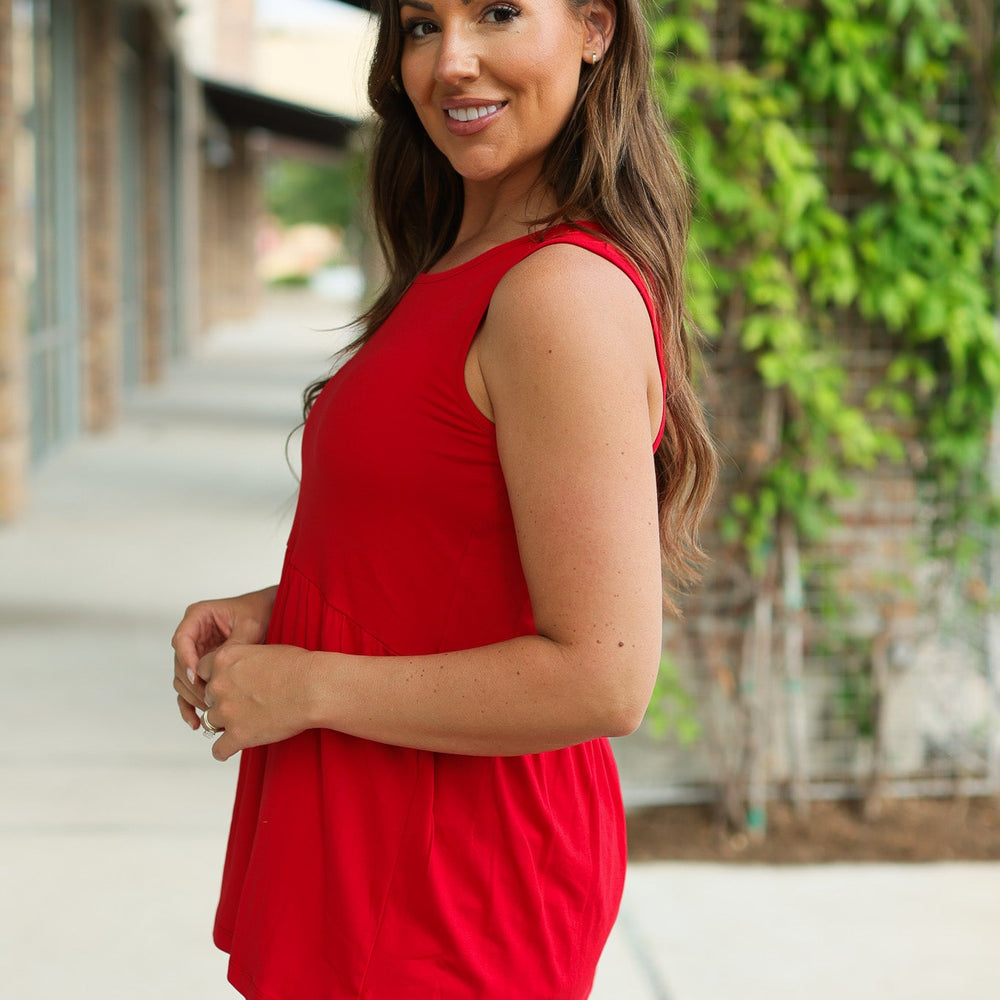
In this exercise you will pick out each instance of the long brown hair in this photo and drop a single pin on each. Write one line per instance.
(613, 164)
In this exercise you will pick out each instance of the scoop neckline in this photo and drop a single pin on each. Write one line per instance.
(539, 235)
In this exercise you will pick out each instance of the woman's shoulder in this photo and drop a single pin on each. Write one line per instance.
(566, 297)
(591, 238)
(574, 275)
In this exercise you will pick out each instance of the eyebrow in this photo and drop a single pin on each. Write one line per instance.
(422, 5)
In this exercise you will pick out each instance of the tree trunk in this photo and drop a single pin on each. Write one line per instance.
(875, 792)
(795, 701)
(755, 680)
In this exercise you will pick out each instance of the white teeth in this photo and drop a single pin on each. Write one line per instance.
(471, 114)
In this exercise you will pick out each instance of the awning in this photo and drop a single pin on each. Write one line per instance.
(246, 109)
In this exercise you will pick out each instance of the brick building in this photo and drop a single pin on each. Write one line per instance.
(128, 194)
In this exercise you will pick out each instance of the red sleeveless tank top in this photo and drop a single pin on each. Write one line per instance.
(361, 870)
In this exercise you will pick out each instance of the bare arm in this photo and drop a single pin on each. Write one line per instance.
(568, 363)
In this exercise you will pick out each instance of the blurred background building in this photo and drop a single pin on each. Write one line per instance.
(134, 141)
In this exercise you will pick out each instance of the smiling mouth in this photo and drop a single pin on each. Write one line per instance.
(471, 114)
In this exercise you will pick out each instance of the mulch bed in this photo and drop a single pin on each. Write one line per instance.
(907, 830)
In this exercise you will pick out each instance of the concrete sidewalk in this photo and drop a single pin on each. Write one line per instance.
(114, 816)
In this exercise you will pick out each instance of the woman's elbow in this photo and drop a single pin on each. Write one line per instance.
(627, 719)
(625, 704)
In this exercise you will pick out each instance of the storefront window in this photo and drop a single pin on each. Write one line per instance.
(25, 154)
(48, 258)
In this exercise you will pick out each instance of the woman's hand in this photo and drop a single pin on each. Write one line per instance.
(204, 628)
(257, 694)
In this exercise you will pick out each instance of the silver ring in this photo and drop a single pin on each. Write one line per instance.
(209, 731)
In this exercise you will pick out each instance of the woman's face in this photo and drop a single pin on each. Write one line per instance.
(493, 81)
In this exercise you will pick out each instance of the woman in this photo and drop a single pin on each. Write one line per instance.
(472, 595)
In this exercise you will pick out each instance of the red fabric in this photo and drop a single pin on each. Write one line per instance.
(361, 870)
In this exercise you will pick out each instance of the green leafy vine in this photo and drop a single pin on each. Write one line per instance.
(844, 160)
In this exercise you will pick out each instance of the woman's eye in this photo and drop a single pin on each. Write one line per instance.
(418, 29)
(502, 14)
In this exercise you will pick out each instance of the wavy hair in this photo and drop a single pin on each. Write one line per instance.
(613, 165)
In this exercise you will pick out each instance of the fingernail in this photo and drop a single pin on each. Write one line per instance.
(190, 676)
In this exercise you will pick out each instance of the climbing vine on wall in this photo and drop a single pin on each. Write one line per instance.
(834, 172)
(844, 159)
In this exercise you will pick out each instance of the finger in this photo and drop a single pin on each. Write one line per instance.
(189, 681)
(205, 667)
(188, 714)
(184, 642)
(201, 630)
(224, 747)
(193, 698)
(212, 721)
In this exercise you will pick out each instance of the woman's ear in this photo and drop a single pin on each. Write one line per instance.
(599, 17)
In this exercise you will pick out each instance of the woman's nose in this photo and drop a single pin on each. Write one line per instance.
(457, 59)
